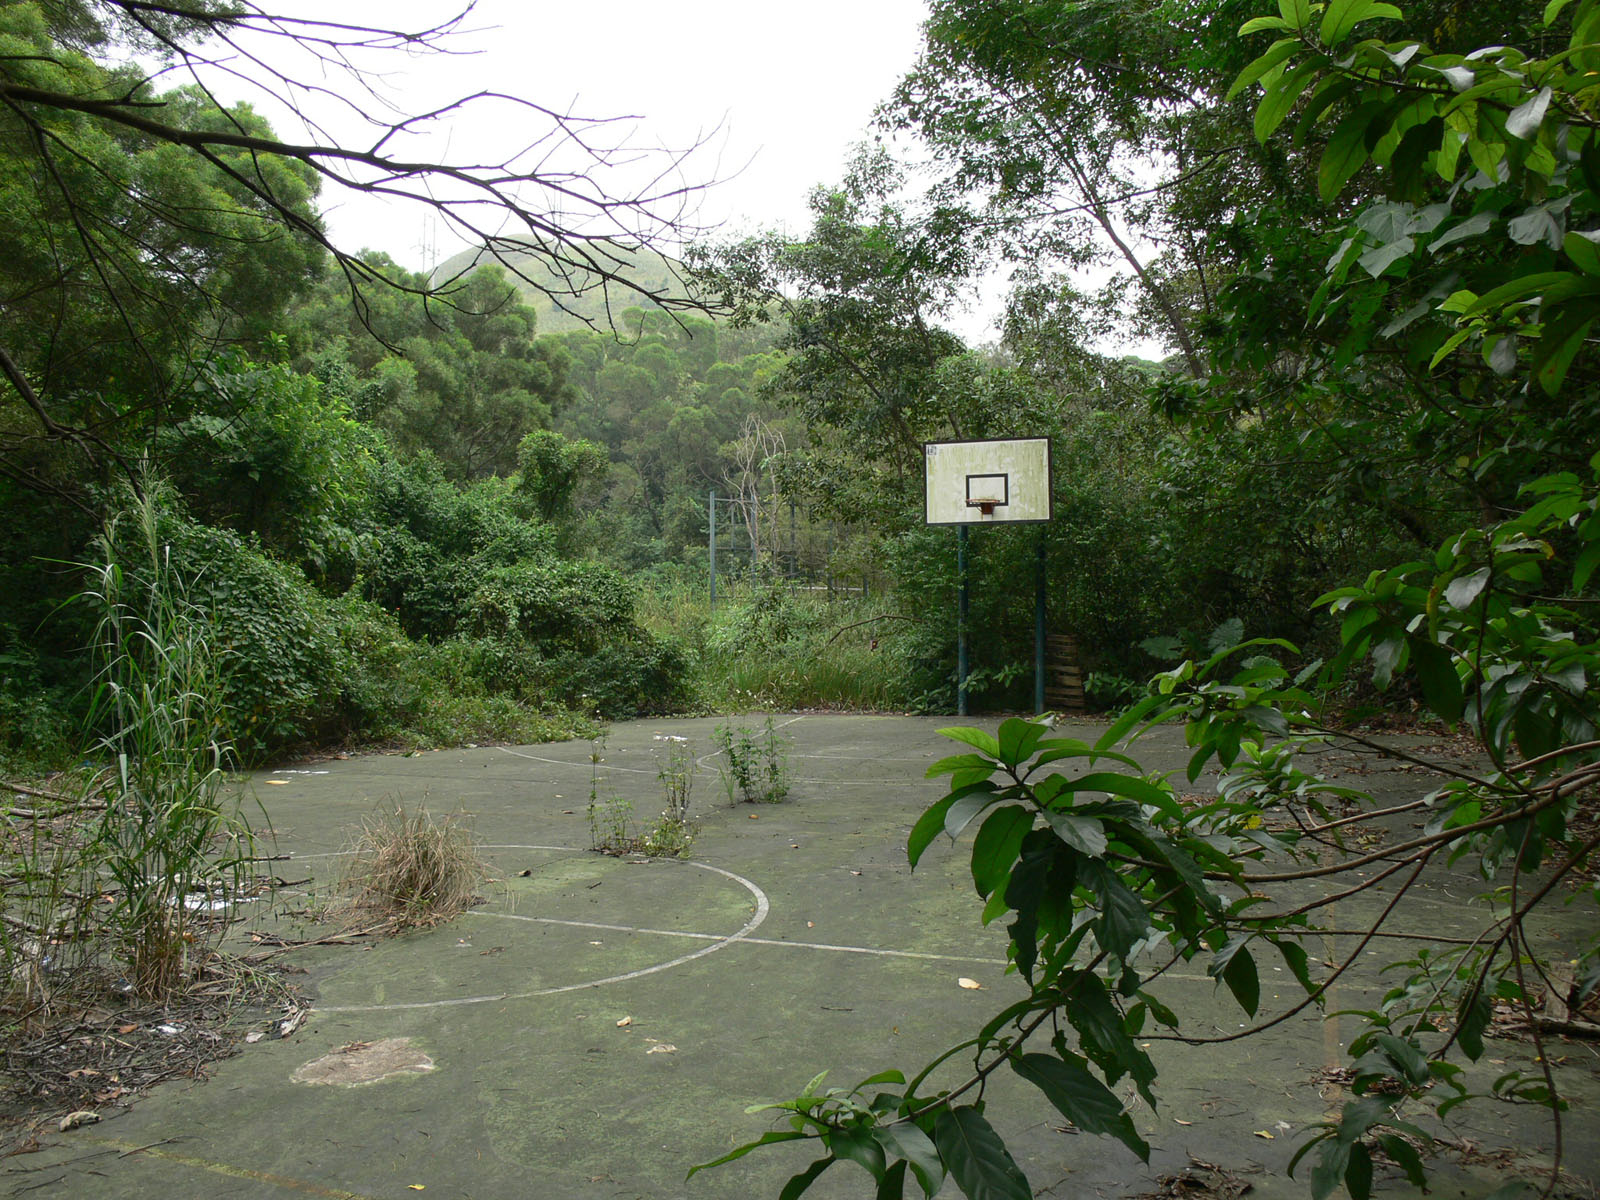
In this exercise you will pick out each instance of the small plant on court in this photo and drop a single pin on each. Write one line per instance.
(673, 833)
(755, 767)
(413, 870)
(610, 819)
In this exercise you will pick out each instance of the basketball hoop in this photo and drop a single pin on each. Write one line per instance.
(986, 506)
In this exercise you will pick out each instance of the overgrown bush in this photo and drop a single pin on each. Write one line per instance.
(282, 662)
(431, 542)
(771, 645)
(36, 704)
(552, 604)
(642, 673)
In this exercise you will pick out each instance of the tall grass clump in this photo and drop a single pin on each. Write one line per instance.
(412, 870)
(171, 839)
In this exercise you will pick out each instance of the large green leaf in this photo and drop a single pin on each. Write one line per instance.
(976, 1157)
(892, 1186)
(1358, 1173)
(959, 762)
(1236, 967)
(797, 1185)
(1131, 786)
(1280, 99)
(966, 809)
(995, 848)
(1084, 834)
(1123, 917)
(1277, 53)
(1128, 721)
(766, 1139)
(929, 826)
(1296, 12)
(1080, 1097)
(1349, 147)
(976, 738)
(904, 1140)
(1436, 672)
(1342, 16)
(1018, 738)
(1405, 1156)
(857, 1145)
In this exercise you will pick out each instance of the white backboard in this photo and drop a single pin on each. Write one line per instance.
(982, 483)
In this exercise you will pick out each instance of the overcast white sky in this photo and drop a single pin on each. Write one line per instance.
(779, 93)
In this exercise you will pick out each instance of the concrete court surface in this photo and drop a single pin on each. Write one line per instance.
(601, 1023)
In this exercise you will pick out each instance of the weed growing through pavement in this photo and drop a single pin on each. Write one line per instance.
(755, 765)
(171, 841)
(413, 870)
(673, 833)
(120, 882)
(609, 819)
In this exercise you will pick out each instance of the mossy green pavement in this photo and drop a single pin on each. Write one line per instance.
(601, 1023)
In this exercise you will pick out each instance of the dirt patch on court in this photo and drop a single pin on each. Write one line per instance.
(366, 1062)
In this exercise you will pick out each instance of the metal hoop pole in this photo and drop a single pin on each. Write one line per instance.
(961, 623)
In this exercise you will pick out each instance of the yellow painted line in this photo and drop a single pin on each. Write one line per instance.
(286, 1182)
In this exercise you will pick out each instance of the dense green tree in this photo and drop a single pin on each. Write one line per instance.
(465, 380)
(288, 464)
(130, 258)
(551, 470)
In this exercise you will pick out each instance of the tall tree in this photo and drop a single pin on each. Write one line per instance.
(149, 220)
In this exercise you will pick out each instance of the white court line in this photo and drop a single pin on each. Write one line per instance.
(763, 907)
(749, 941)
(606, 766)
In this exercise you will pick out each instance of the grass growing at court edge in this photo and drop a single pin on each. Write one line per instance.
(771, 645)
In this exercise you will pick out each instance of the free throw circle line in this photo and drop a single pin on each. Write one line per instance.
(763, 908)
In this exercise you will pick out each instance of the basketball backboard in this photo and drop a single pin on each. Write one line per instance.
(1003, 481)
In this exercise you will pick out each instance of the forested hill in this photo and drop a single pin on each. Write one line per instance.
(651, 271)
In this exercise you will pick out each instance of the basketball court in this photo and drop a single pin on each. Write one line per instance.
(600, 1024)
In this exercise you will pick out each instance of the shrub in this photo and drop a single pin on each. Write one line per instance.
(553, 604)
(642, 673)
(36, 702)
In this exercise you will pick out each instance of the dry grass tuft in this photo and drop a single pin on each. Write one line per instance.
(413, 871)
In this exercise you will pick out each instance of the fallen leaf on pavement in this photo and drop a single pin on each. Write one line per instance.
(970, 984)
